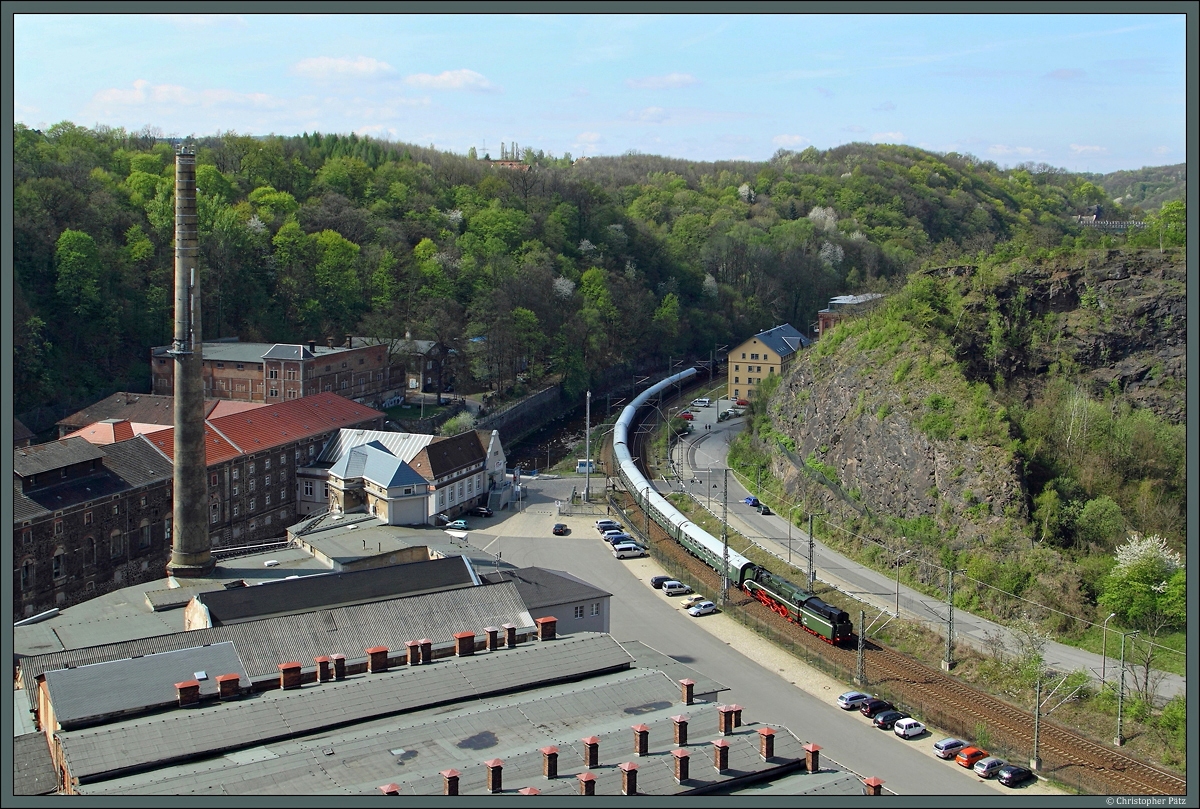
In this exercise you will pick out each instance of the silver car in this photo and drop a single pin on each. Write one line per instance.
(987, 767)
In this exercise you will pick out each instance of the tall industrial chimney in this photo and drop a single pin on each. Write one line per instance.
(191, 549)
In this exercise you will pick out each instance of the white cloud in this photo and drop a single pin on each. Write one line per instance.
(1003, 150)
(652, 115)
(325, 67)
(790, 140)
(589, 137)
(376, 130)
(888, 137)
(194, 21)
(144, 93)
(1162, 149)
(671, 80)
(1080, 149)
(453, 80)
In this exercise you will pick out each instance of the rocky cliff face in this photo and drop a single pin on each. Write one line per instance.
(1120, 320)
(895, 419)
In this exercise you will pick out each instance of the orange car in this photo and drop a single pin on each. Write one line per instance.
(969, 755)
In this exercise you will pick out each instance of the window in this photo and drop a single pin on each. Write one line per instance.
(343, 365)
(408, 489)
(167, 529)
(753, 356)
(241, 367)
(312, 450)
(273, 373)
(57, 567)
(267, 520)
(90, 544)
(579, 611)
(235, 473)
(267, 480)
(116, 543)
(252, 504)
(283, 460)
(297, 456)
(267, 463)
(267, 499)
(743, 355)
(143, 501)
(213, 479)
(235, 491)
(58, 527)
(215, 512)
(596, 608)
(144, 539)
(308, 489)
(252, 467)
(345, 384)
(282, 495)
(771, 370)
(116, 508)
(274, 393)
(360, 360)
(251, 484)
(253, 524)
(291, 374)
(326, 495)
(26, 574)
(329, 387)
(737, 380)
(219, 364)
(236, 509)
(737, 367)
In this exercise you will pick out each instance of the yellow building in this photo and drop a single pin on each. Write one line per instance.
(766, 353)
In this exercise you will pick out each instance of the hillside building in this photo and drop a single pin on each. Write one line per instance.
(765, 354)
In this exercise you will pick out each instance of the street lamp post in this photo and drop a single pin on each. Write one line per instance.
(587, 451)
(948, 660)
(812, 553)
(1104, 649)
(791, 515)
(1120, 740)
(898, 558)
(725, 539)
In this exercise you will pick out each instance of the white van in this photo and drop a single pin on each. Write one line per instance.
(627, 550)
(674, 588)
(700, 402)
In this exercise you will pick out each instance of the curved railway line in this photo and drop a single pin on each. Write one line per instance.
(1066, 756)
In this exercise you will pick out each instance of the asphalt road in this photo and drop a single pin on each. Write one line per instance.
(641, 613)
(706, 450)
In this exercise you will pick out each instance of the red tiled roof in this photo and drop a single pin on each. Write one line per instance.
(227, 407)
(278, 424)
(105, 432)
(216, 449)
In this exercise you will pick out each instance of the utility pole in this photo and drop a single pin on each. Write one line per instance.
(725, 538)
(1035, 763)
(587, 451)
(1120, 740)
(948, 660)
(812, 573)
(860, 663)
(646, 511)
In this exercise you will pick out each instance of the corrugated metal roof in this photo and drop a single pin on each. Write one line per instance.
(326, 590)
(404, 446)
(263, 645)
(283, 423)
(135, 684)
(38, 458)
(545, 588)
(278, 715)
(33, 769)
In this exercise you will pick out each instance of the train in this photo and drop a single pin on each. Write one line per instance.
(782, 596)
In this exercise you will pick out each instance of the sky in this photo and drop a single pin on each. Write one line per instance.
(1084, 92)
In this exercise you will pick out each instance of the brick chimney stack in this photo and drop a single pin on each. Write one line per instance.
(591, 752)
(629, 772)
(689, 687)
(450, 781)
(189, 692)
(495, 775)
(766, 743)
(547, 627)
(641, 740)
(721, 755)
(682, 759)
(550, 762)
(681, 725)
(587, 783)
(812, 757)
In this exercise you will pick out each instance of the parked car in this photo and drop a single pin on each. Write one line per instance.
(886, 720)
(481, 511)
(987, 767)
(560, 529)
(969, 755)
(441, 519)
(723, 415)
(627, 550)
(948, 748)
(686, 416)
(1012, 775)
(457, 525)
(751, 501)
(852, 699)
(657, 582)
(693, 600)
(700, 402)
(608, 525)
(908, 728)
(618, 538)
(764, 509)
(873, 707)
(675, 588)
(742, 403)
(703, 608)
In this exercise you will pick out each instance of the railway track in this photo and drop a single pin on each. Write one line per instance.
(1066, 756)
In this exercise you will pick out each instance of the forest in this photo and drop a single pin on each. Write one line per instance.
(546, 266)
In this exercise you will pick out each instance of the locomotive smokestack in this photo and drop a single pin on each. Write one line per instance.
(191, 549)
